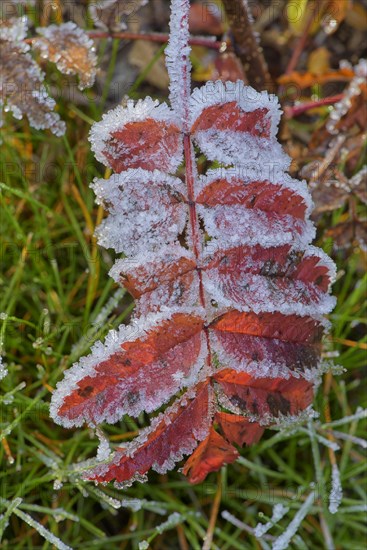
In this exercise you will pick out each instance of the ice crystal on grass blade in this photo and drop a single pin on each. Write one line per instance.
(282, 542)
(230, 293)
(3, 369)
(336, 493)
(279, 511)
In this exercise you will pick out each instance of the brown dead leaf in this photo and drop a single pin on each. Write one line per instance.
(69, 47)
(307, 79)
(228, 68)
(328, 196)
(113, 15)
(206, 18)
(358, 184)
(357, 112)
(21, 81)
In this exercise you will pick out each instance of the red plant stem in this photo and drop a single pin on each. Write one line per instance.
(195, 233)
(155, 37)
(161, 38)
(292, 112)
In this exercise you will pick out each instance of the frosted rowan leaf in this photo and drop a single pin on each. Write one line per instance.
(271, 279)
(231, 122)
(209, 456)
(263, 396)
(168, 277)
(114, 14)
(137, 222)
(22, 91)
(267, 344)
(69, 47)
(169, 437)
(138, 368)
(230, 294)
(144, 134)
(237, 429)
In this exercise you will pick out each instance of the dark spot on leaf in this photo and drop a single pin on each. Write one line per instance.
(295, 257)
(132, 397)
(278, 404)
(236, 400)
(224, 260)
(269, 269)
(255, 408)
(85, 392)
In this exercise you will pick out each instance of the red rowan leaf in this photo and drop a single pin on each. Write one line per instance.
(170, 436)
(265, 396)
(209, 456)
(268, 279)
(230, 116)
(227, 121)
(230, 293)
(169, 278)
(137, 374)
(252, 194)
(289, 328)
(139, 279)
(128, 138)
(237, 429)
(258, 355)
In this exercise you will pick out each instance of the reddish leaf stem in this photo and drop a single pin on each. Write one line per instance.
(161, 38)
(297, 110)
(195, 233)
